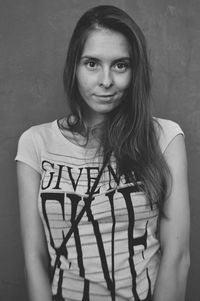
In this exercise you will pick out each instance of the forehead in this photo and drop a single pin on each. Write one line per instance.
(105, 43)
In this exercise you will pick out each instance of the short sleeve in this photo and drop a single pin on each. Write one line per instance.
(168, 130)
(27, 150)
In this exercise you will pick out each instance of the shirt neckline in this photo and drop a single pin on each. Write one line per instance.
(67, 141)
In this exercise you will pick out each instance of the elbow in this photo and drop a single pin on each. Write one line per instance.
(185, 262)
(178, 261)
(37, 259)
(182, 263)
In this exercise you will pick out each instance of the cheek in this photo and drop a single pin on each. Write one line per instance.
(85, 82)
(123, 82)
(82, 84)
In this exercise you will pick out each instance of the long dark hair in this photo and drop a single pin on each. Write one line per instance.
(129, 132)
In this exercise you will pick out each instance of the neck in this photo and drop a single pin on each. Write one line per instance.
(93, 119)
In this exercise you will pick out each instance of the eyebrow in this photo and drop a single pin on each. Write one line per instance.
(124, 58)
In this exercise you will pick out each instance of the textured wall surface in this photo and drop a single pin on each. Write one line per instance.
(33, 41)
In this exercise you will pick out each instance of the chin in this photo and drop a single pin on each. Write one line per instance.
(105, 111)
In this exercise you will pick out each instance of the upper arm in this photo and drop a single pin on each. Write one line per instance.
(31, 226)
(175, 227)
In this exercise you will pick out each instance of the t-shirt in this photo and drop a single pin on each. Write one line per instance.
(115, 247)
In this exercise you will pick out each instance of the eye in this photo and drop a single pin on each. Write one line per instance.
(121, 66)
(91, 65)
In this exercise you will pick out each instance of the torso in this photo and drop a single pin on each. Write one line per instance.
(115, 243)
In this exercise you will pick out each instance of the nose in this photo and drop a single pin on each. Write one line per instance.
(106, 79)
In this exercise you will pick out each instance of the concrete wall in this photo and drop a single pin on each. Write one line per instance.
(33, 40)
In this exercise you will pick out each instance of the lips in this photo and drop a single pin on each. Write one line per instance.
(104, 98)
(104, 95)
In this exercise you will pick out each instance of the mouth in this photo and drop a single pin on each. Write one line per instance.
(104, 96)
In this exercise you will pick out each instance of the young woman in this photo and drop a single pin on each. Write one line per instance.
(103, 191)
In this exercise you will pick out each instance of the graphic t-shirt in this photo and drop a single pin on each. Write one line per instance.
(114, 252)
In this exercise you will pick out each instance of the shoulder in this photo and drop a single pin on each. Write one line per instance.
(166, 131)
(32, 142)
(38, 131)
(37, 136)
(40, 128)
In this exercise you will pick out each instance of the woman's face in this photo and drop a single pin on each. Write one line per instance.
(103, 73)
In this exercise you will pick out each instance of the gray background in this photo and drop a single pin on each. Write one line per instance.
(33, 40)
